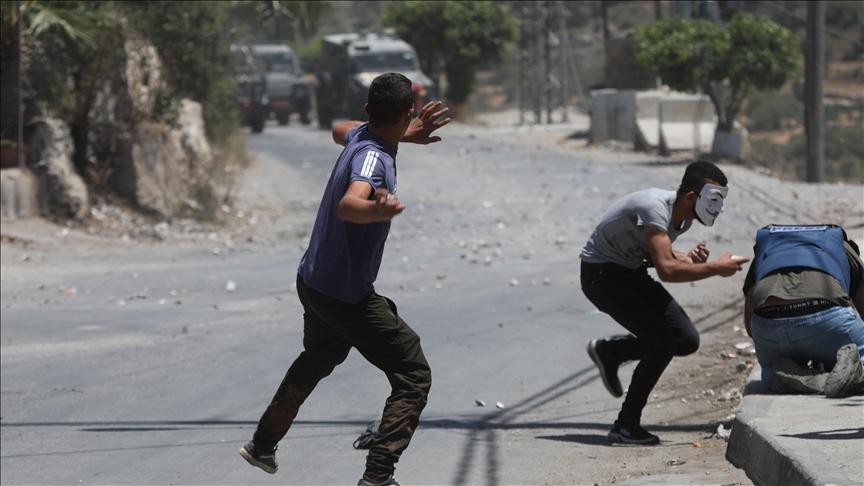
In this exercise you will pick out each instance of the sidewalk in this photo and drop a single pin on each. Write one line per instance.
(798, 439)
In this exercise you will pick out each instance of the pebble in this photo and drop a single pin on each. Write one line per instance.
(499, 405)
(230, 286)
(480, 403)
(514, 282)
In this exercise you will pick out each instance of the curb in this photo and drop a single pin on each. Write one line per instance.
(757, 447)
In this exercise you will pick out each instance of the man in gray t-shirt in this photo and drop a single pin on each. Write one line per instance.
(638, 231)
(620, 235)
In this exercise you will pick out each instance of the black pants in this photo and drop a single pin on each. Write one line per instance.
(373, 326)
(661, 328)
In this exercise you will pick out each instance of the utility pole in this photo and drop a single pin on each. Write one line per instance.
(814, 110)
(523, 46)
(19, 154)
(564, 52)
(539, 34)
(605, 17)
(547, 60)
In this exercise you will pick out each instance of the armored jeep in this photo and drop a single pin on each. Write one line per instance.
(349, 63)
(252, 99)
(288, 91)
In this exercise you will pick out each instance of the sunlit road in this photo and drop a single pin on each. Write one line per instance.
(483, 265)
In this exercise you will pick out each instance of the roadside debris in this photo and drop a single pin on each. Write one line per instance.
(723, 432)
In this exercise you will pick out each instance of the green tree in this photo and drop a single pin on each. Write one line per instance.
(193, 40)
(727, 63)
(455, 38)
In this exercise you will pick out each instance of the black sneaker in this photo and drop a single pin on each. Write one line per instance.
(264, 459)
(632, 435)
(608, 370)
(391, 481)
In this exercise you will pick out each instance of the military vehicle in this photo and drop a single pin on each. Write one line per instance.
(288, 91)
(349, 63)
(252, 99)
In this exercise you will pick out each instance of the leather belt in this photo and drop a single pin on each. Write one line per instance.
(794, 309)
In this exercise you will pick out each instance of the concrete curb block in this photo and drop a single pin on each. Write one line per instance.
(760, 456)
(756, 446)
(18, 192)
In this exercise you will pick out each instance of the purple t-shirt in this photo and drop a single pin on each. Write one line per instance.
(343, 258)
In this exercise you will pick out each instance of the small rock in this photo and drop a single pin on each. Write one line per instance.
(723, 432)
(231, 286)
(743, 366)
(547, 281)
(480, 403)
(499, 405)
(514, 282)
(676, 462)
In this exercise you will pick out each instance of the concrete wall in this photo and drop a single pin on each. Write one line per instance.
(18, 194)
(653, 119)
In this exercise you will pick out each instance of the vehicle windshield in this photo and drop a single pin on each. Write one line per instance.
(386, 61)
(282, 62)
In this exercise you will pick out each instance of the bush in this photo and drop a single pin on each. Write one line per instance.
(844, 151)
(768, 110)
(194, 39)
(725, 62)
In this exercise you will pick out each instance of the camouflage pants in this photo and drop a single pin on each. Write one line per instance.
(373, 326)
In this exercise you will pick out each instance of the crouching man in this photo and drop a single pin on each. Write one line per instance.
(801, 295)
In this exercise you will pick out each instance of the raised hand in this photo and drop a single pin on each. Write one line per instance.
(386, 204)
(728, 264)
(427, 121)
(700, 253)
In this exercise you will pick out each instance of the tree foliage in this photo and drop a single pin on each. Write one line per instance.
(725, 62)
(454, 37)
(193, 40)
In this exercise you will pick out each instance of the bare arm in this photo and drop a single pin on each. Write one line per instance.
(356, 207)
(672, 269)
(340, 131)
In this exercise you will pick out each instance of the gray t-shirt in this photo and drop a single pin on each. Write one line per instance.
(620, 236)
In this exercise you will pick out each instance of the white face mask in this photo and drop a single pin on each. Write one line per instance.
(710, 203)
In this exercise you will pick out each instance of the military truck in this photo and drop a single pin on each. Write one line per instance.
(349, 63)
(252, 99)
(287, 89)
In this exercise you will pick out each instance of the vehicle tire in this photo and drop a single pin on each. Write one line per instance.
(257, 125)
(324, 119)
(283, 117)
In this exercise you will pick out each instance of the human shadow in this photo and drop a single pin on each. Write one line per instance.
(587, 439)
(837, 434)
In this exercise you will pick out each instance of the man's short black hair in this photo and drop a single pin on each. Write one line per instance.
(697, 173)
(390, 96)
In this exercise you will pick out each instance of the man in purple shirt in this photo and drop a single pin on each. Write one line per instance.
(335, 282)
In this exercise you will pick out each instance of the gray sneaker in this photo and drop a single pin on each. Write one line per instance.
(847, 376)
(265, 459)
(391, 481)
(799, 378)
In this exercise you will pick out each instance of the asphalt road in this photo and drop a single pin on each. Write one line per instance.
(165, 386)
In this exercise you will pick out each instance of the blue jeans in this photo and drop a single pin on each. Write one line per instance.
(814, 337)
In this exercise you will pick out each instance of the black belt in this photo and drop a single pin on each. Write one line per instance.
(795, 309)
